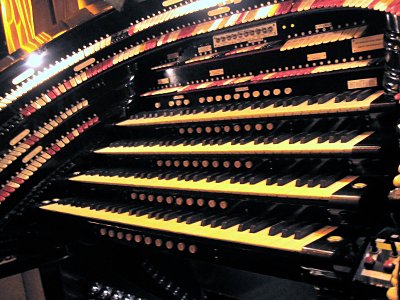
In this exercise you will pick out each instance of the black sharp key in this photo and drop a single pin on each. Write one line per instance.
(343, 97)
(272, 179)
(259, 140)
(278, 103)
(196, 141)
(255, 104)
(291, 229)
(325, 98)
(177, 142)
(200, 176)
(245, 178)
(312, 182)
(348, 136)
(353, 95)
(218, 221)
(164, 174)
(334, 137)
(223, 177)
(115, 208)
(296, 138)
(172, 215)
(224, 140)
(109, 207)
(103, 206)
(299, 100)
(236, 140)
(124, 209)
(281, 138)
(278, 227)
(219, 108)
(364, 94)
(231, 222)
(212, 176)
(236, 177)
(323, 137)
(133, 210)
(256, 227)
(330, 179)
(184, 216)
(287, 102)
(226, 108)
(307, 230)
(161, 214)
(195, 218)
(248, 223)
(76, 202)
(171, 175)
(168, 174)
(186, 142)
(287, 178)
(67, 201)
(246, 140)
(153, 213)
(314, 99)
(241, 107)
(189, 177)
(144, 211)
(142, 175)
(214, 140)
(257, 178)
(207, 220)
(91, 206)
(233, 107)
(268, 139)
(152, 143)
(125, 174)
(196, 111)
(206, 141)
(182, 175)
(308, 137)
(152, 175)
(267, 103)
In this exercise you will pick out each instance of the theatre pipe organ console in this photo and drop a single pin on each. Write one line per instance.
(258, 135)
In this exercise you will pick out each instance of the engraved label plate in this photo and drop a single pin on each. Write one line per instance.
(217, 72)
(241, 89)
(203, 49)
(250, 34)
(362, 83)
(163, 81)
(368, 43)
(323, 25)
(316, 56)
(173, 55)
